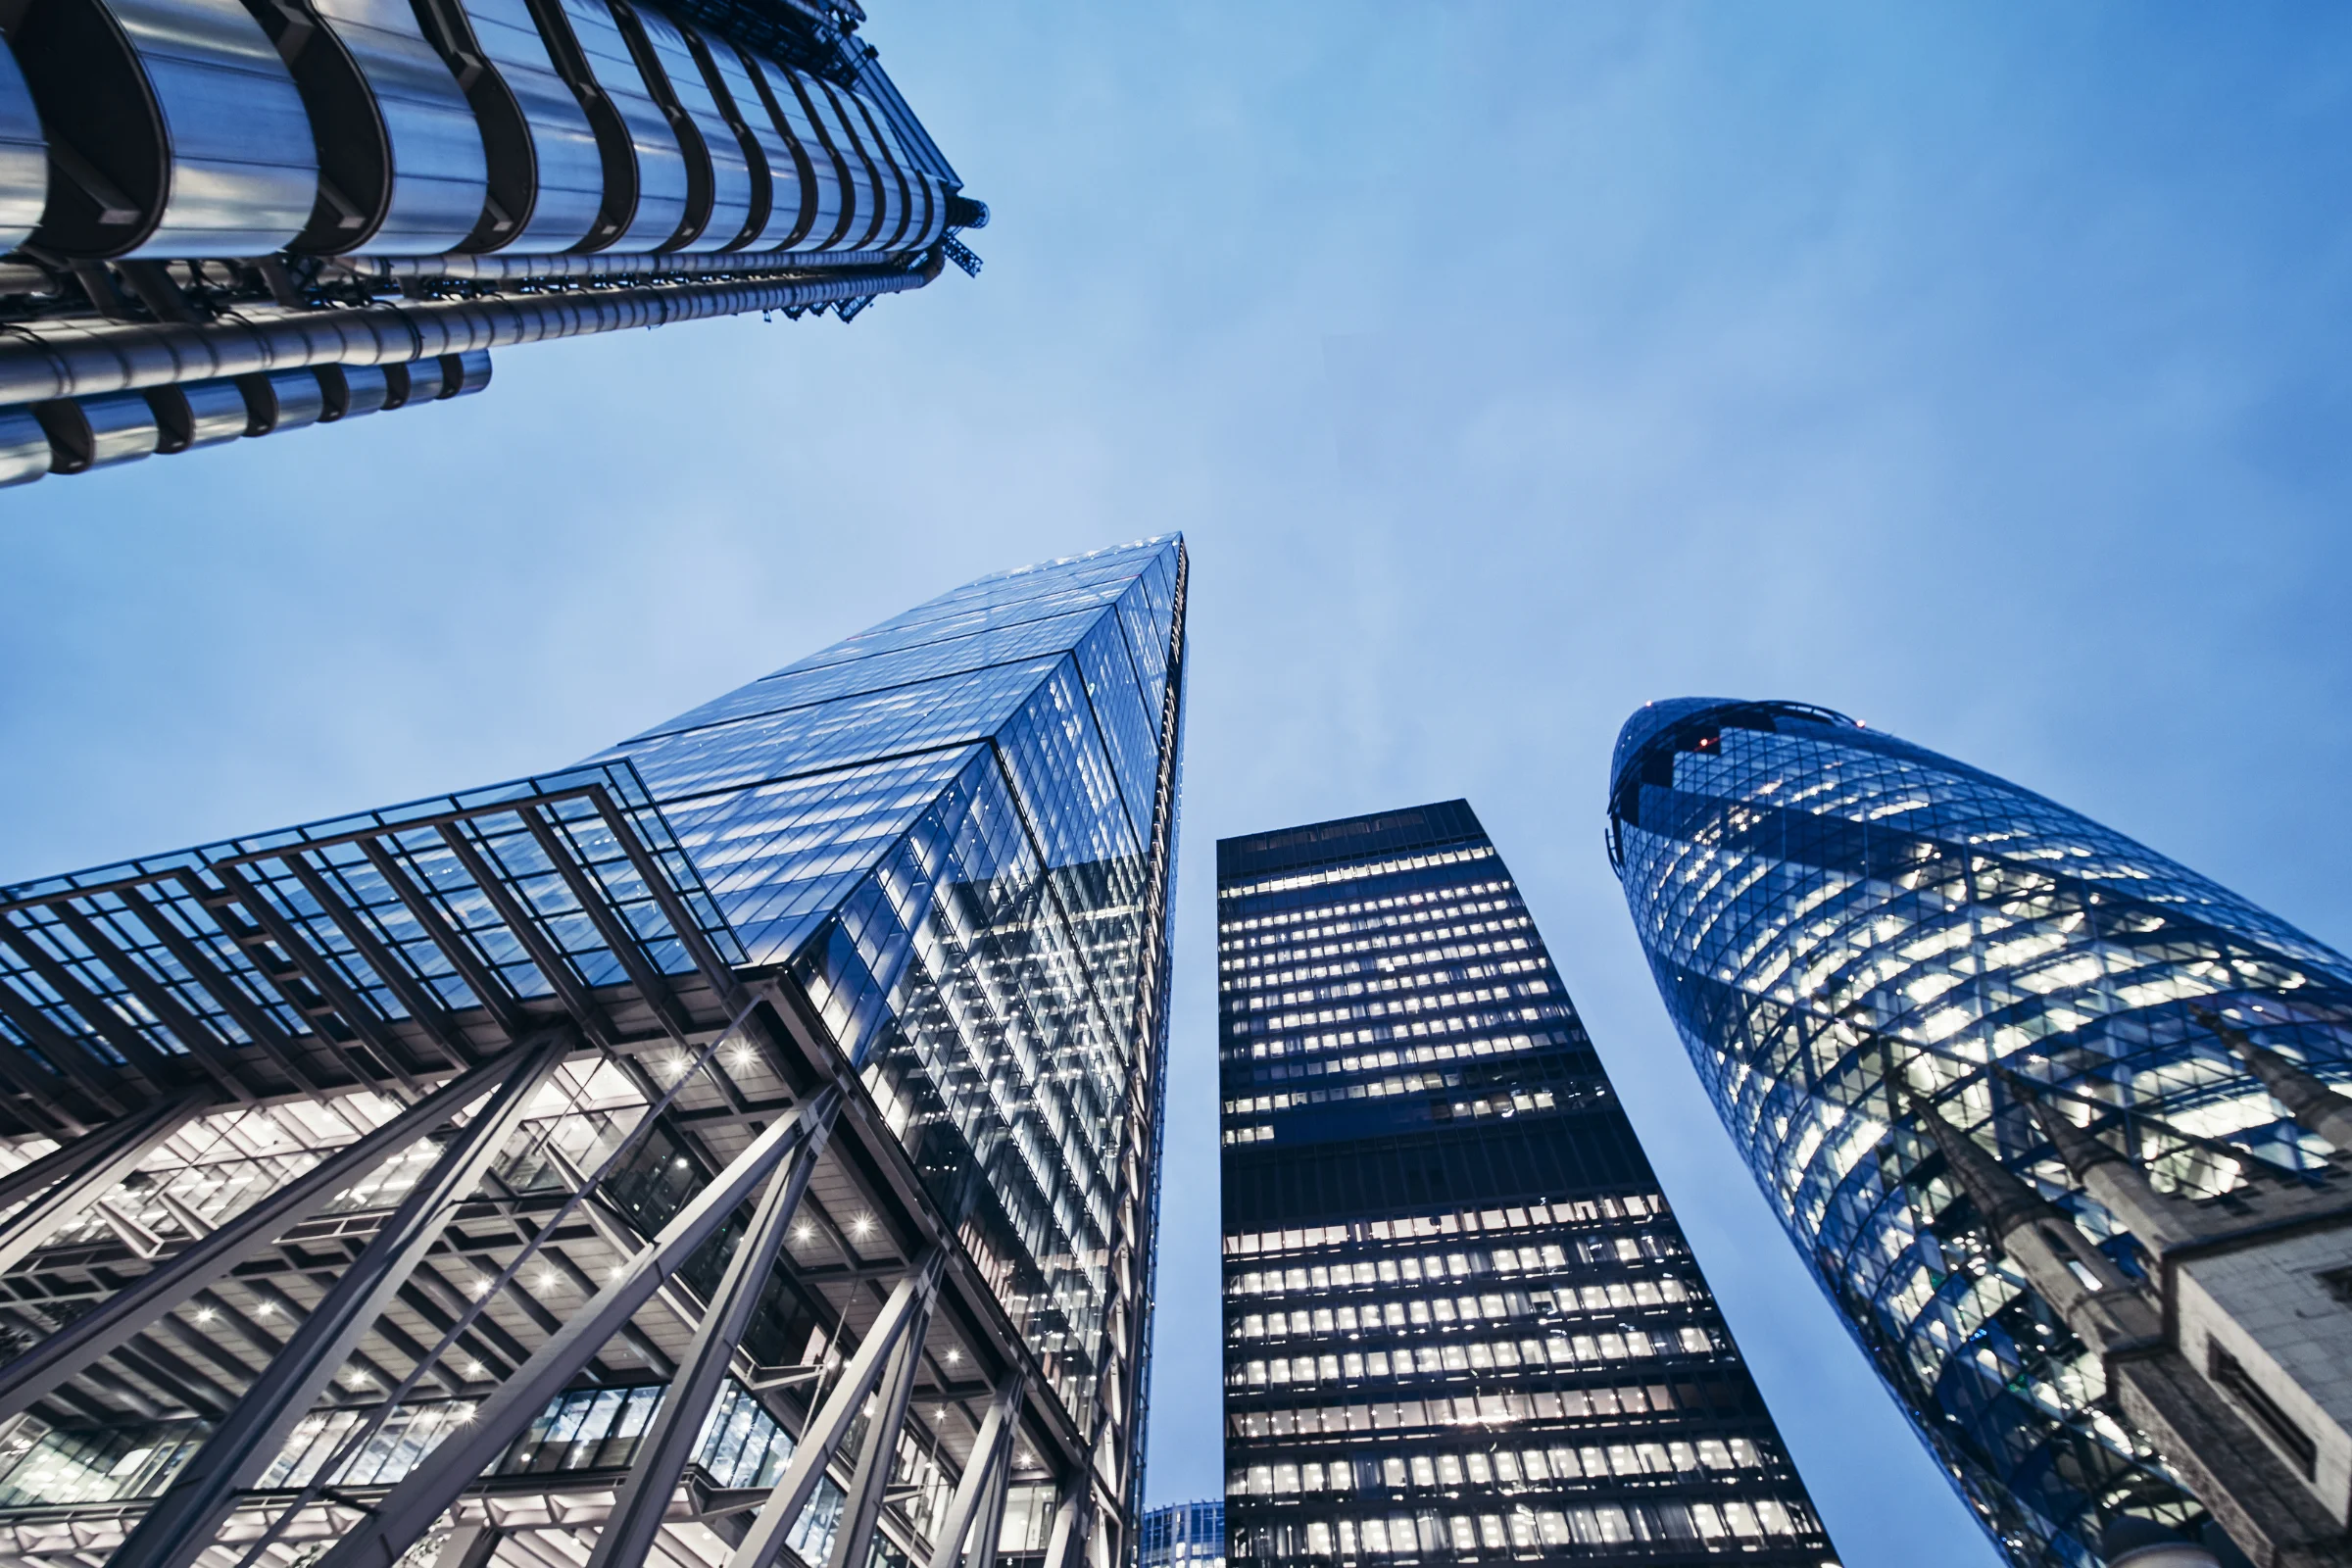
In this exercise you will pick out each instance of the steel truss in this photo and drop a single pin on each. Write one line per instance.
(364, 1131)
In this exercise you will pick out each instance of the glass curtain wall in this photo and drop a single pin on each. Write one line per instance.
(1837, 918)
(1183, 1535)
(955, 829)
(1460, 1322)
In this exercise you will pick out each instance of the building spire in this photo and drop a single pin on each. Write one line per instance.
(2313, 1105)
(2116, 1180)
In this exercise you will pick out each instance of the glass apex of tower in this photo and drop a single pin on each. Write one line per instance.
(787, 791)
(1838, 918)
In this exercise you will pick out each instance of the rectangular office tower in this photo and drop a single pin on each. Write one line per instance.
(736, 1149)
(1460, 1323)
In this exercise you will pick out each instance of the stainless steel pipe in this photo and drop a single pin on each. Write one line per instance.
(78, 360)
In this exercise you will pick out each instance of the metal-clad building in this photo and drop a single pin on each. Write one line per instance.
(1460, 1322)
(235, 218)
(1845, 925)
(738, 1148)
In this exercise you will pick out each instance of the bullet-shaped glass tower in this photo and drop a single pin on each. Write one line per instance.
(1845, 925)
(741, 1143)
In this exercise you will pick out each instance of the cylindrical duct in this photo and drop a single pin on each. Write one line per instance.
(94, 432)
(123, 356)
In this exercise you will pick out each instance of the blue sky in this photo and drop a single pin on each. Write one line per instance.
(1982, 371)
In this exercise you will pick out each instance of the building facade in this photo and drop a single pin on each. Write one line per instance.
(1854, 933)
(1183, 1535)
(221, 220)
(1460, 1322)
(739, 1146)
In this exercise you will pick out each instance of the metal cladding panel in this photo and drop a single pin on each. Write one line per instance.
(729, 204)
(926, 191)
(240, 171)
(863, 176)
(786, 181)
(876, 87)
(24, 448)
(423, 381)
(891, 191)
(282, 400)
(431, 169)
(23, 158)
(827, 202)
(464, 374)
(353, 390)
(98, 432)
(652, 146)
(565, 175)
(900, 180)
(198, 413)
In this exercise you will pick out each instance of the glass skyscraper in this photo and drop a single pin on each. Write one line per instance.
(1842, 924)
(1183, 1535)
(220, 219)
(1460, 1322)
(813, 1045)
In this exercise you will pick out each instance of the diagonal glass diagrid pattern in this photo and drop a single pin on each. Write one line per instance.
(1836, 918)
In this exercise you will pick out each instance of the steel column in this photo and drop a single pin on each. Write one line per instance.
(411, 1508)
(627, 1536)
(1073, 1523)
(183, 1521)
(60, 1185)
(991, 1511)
(122, 1315)
(908, 1307)
(991, 1452)
(878, 1453)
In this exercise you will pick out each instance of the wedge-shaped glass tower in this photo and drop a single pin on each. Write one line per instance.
(1849, 930)
(739, 1147)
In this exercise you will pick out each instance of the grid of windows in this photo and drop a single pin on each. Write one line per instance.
(955, 828)
(1460, 1322)
(1184, 1535)
(1836, 917)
